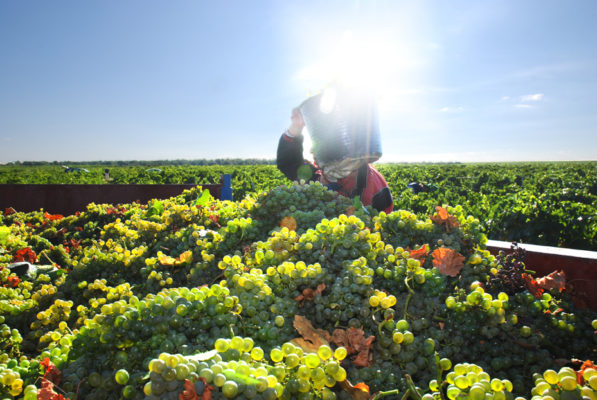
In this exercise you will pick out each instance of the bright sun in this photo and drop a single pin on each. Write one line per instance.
(369, 61)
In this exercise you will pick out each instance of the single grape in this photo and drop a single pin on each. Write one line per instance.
(122, 376)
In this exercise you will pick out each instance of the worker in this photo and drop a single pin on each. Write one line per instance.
(349, 177)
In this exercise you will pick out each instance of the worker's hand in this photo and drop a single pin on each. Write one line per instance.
(297, 123)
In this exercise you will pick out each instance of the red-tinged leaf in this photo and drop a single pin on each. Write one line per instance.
(118, 211)
(9, 211)
(51, 372)
(188, 391)
(447, 261)
(47, 391)
(555, 280)
(25, 254)
(13, 281)
(443, 218)
(533, 286)
(588, 364)
(360, 391)
(45, 362)
(207, 391)
(52, 217)
(419, 254)
(362, 386)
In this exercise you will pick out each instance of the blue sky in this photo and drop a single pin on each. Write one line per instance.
(145, 80)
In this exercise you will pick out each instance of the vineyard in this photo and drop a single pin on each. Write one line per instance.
(550, 204)
(293, 292)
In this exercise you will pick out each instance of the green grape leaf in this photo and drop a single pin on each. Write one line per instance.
(156, 208)
(4, 232)
(356, 202)
(204, 198)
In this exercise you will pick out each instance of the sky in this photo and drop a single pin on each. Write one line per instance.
(465, 81)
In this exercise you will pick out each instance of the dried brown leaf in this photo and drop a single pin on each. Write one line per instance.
(447, 261)
(312, 338)
(354, 341)
(309, 294)
(288, 222)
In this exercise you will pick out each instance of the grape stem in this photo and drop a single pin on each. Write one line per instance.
(241, 324)
(379, 395)
(78, 386)
(440, 382)
(410, 295)
(412, 389)
(217, 278)
(48, 257)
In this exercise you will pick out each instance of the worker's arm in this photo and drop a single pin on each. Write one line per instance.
(290, 155)
(290, 150)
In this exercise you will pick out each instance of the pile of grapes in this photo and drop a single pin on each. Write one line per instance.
(295, 293)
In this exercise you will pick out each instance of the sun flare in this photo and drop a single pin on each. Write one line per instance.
(369, 61)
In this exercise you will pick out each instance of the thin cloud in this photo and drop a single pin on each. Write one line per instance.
(523, 105)
(531, 97)
(452, 109)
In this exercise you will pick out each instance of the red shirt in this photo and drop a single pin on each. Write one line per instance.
(375, 183)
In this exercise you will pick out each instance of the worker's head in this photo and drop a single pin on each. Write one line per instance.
(343, 124)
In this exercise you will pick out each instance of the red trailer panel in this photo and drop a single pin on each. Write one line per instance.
(580, 266)
(68, 199)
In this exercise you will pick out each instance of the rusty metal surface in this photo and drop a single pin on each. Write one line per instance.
(68, 199)
(580, 266)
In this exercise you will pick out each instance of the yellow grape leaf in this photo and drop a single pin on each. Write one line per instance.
(183, 258)
(186, 257)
